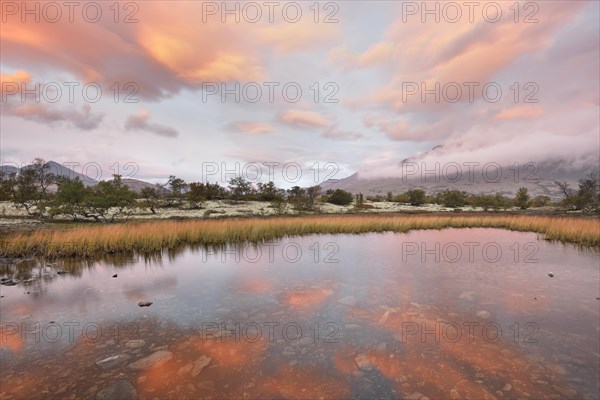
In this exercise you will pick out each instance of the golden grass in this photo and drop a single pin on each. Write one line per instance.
(145, 237)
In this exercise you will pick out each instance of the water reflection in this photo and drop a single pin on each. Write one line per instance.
(376, 317)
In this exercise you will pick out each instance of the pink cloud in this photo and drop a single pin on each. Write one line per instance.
(304, 119)
(252, 128)
(141, 122)
(525, 111)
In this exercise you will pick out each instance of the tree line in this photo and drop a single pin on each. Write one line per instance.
(112, 199)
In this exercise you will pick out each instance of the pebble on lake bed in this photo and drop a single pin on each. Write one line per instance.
(363, 362)
(121, 390)
(115, 275)
(158, 357)
(145, 303)
(551, 274)
(112, 361)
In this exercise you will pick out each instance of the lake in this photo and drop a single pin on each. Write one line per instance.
(453, 314)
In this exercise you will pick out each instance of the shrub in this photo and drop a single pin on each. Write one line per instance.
(340, 197)
(522, 199)
(416, 197)
(452, 198)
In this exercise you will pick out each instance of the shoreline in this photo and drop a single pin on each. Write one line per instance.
(139, 236)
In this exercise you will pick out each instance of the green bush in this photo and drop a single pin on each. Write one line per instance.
(340, 197)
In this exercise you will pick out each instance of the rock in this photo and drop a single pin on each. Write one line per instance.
(121, 390)
(551, 274)
(416, 396)
(483, 314)
(467, 296)
(157, 357)
(9, 282)
(135, 343)
(507, 387)
(115, 275)
(348, 301)
(363, 362)
(565, 391)
(381, 347)
(421, 307)
(293, 362)
(185, 369)
(112, 361)
(145, 303)
(454, 395)
(200, 364)
(61, 272)
(384, 318)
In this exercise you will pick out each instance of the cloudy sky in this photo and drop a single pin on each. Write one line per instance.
(357, 85)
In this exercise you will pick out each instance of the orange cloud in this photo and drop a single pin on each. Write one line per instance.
(451, 52)
(304, 119)
(377, 54)
(253, 128)
(526, 111)
(305, 34)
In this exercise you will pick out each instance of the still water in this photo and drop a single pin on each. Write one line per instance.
(452, 314)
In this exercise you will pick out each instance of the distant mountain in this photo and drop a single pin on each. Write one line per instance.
(65, 172)
(538, 178)
(8, 169)
(136, 185)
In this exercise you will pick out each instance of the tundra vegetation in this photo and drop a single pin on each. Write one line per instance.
(46, 196)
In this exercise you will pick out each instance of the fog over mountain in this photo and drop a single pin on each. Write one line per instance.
(476, 177)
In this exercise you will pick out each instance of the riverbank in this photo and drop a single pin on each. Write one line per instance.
(152, 236)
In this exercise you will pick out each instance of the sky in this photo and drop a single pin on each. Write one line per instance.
(297, 92)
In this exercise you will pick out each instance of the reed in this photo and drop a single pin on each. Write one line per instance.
(146, 237)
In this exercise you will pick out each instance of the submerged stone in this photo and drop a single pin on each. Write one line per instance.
(135, 343)
(157, 357)
(348, 301)
(121, 390)
(112, 361)
(363, 362)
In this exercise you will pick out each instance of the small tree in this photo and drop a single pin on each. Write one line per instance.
(215, 192)
(176, 188)
(197, 194)
(151, 198)
(109, 195)
(296, 196)
(279, 204)
(30, 188)
(416, 197)
(267, 191)
(240, 188)
(452, 198)
(312, 194)
(588, 196)
(340, 197)
(70, 200)
(522, 198)
(540, 201)
(360, 200)
(389, 197)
